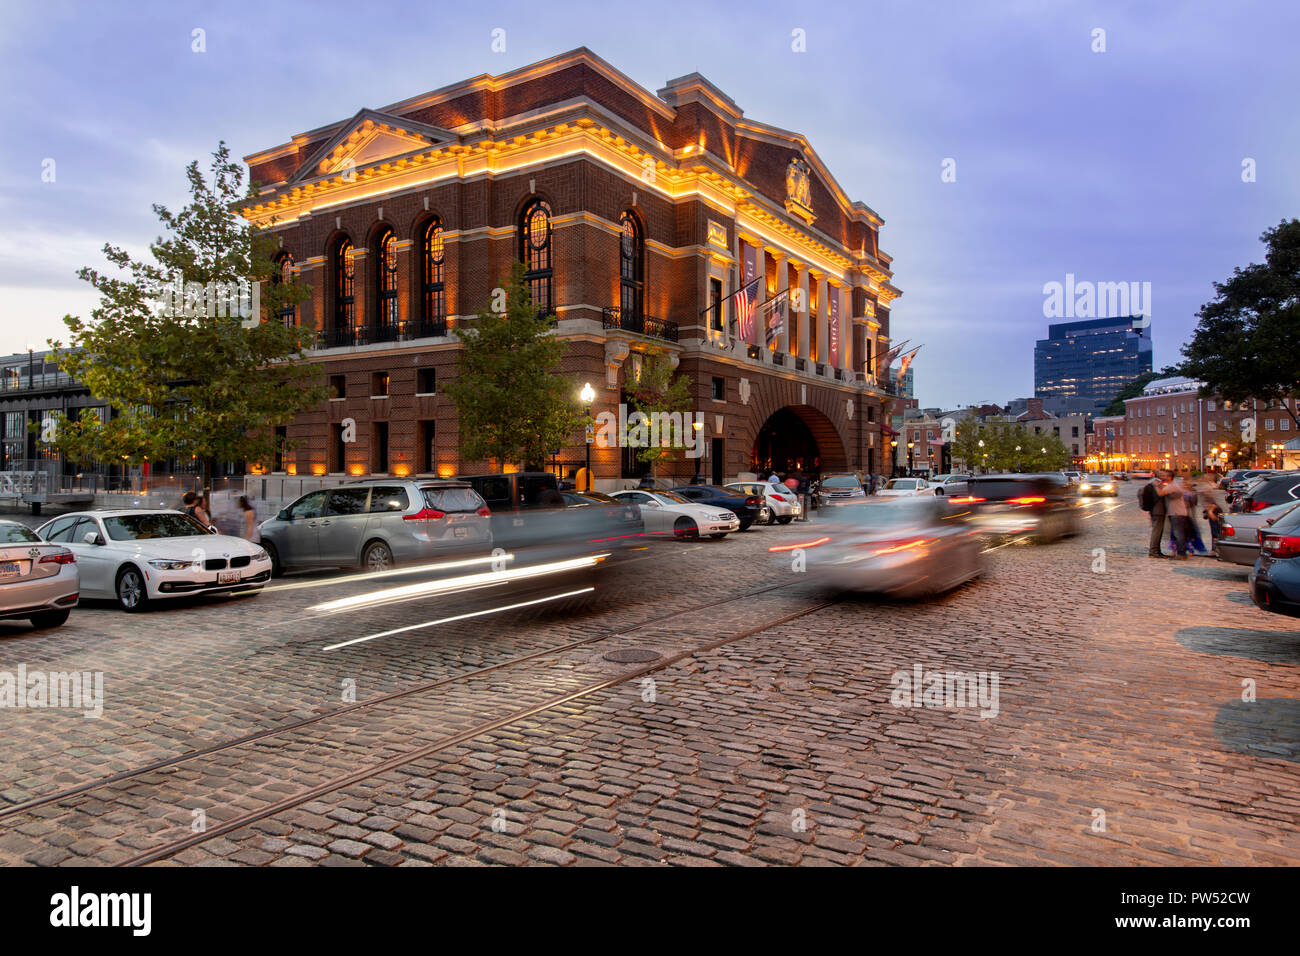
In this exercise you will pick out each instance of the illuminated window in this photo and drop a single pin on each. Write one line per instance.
(535, 253)
(631, 257)
(434, 302)
(386, 311)
(345, 278)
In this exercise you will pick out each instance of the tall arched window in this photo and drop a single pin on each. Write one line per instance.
(345, 281)
(386, 287)
(283, 275)
(631, 269)
(433, 317)
(535, 252)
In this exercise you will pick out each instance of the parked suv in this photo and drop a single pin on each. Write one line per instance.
(377, 524)
(834, 489)
(1273, 489)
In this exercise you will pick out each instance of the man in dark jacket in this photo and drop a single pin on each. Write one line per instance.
(1158, 510)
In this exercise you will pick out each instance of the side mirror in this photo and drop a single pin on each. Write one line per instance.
(92, 537)
(283, 515)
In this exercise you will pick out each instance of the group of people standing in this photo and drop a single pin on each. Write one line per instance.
(196, 507)
(1171, 502)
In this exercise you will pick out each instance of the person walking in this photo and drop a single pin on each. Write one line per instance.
(772, 479)
(1175, 495)
(1151, 501)
(248, 517)
(193, 506)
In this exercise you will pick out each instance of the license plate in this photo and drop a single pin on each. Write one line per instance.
(8, 570)
(227, 577)
(461, 532)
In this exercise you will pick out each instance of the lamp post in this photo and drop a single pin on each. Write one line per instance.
(909, 456)
(587, 396)
(893, 456)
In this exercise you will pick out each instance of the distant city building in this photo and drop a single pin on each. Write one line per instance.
(1091, 360)
(1169, 424)
(1071, 429)
(1055, 406)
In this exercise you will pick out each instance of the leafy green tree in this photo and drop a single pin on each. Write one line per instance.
(184, 377)
(657, 391)
(1247, 343)
(514, 406)
(1009, 446)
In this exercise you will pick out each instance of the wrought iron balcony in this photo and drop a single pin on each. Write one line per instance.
(615, 318)
(348, 336)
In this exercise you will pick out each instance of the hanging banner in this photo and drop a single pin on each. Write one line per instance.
(749, 331)
(835, 327)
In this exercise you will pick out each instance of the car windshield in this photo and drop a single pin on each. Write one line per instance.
(149, 526)
(673, 496)
(903, 484)
(840, 481)
(453, 500)
(17, 534)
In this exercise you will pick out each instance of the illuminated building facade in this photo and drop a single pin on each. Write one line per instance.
(1091, 360)
(637, 216)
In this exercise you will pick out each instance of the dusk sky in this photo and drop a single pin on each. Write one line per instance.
(1124, 165)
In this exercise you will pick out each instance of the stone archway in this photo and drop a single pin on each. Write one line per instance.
(798, 438)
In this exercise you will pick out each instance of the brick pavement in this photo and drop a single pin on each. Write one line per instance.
(1120, 694)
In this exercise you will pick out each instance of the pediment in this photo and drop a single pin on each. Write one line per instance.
(371, 137)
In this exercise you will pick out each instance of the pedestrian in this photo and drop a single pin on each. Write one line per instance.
(1151, 501)
(193, 506)
(249, 516)
(772, 479)
(1175, 495)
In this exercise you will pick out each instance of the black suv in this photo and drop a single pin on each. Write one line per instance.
(1017, 504)
(1272, 491)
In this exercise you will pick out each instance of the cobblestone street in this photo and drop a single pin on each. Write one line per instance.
(763, 733)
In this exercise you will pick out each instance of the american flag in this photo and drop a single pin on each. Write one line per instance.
(745, 298)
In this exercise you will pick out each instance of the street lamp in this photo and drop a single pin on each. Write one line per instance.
(587, 396)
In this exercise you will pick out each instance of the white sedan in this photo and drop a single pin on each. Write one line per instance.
(899, 487)
(139, 556)
(665, 512)
(782, 503)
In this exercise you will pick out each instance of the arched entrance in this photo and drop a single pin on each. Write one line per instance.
(798, 438)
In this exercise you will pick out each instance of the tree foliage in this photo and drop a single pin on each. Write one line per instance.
(184, 382)
(1247, 342)
(657, 390)
(1010, 447)
(514, 406)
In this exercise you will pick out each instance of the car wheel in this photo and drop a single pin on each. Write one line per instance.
(785, 519)
(685, 528)
(49, 618)
(132, 595)
(277, 569)
(377, 557)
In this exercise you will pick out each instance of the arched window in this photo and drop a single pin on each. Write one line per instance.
(631, 258)
(283, 275)
(386, 288)
(535, 252)
(345, 279)
(433, 317)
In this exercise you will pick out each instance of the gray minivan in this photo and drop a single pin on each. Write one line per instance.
(376, 524)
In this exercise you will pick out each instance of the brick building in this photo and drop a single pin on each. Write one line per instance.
(1170, 425)
(637, 217)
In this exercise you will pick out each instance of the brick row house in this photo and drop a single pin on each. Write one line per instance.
(1171, 425)
(637, 217)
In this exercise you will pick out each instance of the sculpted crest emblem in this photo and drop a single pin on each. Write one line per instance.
(798, 188)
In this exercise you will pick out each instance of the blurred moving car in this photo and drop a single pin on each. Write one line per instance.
(1019, 504)
(953, 484)
(904, 548)
(782, 504)
(1119, 476)
(138, 556)
(666, 512)
(376, 525)
(839, 487)
(39, 581)
(1275, 579)
(1140, 475)
(901, 487)
(748, 508)
(1273, 488)
(602, 520)
(1238, 541)
(1097, 485)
